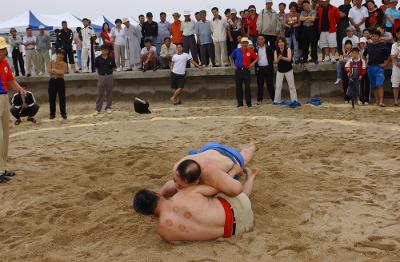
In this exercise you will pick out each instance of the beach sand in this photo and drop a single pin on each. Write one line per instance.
(329, 188)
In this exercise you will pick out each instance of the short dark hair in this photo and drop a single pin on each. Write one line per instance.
(141, 16)
(167, 38)
(145, 202)
(227, 11)
(85, 19)
(104, 47)
(147, 40)
(293, 4)
(162, 13)
(214, 8)
(179, 44)
(60, 51)
(367, 29)
(282, 4)
(355, 49)
(251, 6)
(149, 14)
(376, 32)
(118, 20)
(28, 28)
(348, 42)
(196, 13)
(189, 170)
(63, 22)
(306, 2)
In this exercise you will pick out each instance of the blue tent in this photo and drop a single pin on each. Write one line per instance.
(98, 23)
(21, 22)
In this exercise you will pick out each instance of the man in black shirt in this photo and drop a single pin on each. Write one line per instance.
(343, 24)
(141, 23)
(65, 37)
(150, 28)
(105, 66)
(24, 105)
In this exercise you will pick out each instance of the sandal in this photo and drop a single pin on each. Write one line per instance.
(178, 103)
(8, 173)
(17, 122)
(3, 179)
(31, 119)
(382, 105)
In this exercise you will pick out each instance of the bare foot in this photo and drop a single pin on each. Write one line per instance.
(251, 171)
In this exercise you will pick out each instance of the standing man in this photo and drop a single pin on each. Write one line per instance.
(264, 70)
(66, 37)
(104, 65)
(150, 28)
(6, 80)
(282, 15)
(343, 24)
(251, 25)
(87, 35)
(219, 28)
(203, 31)
(164, 28)
(141, 23)
(119, 39)
(357, 15)
(43, 47)
(268, 24)
(242, 60)
(307, 17)
(29, 41)
(189, 40)
(56, 70)
(176, 32)
(235, 30)
(133, 38)
(15, 42)
(328, 18)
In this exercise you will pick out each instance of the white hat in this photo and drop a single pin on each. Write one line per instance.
(186, 13)
(233, 11)
(125, 20)
(363, 40)
(268, 1)
(42, 27)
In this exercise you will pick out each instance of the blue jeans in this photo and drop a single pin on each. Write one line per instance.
(294, 45)
(339, 69)
(79, 57)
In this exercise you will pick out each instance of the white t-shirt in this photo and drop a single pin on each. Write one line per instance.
(120, 38)
(218, 29)
(87, 34)
(395, 52)
(145, 51)
(357, 14)
(354, 39)
(180, 62)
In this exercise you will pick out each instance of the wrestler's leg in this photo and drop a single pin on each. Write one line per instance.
(248, 153)
(249, 183)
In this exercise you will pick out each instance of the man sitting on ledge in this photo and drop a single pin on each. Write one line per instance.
(194, 214)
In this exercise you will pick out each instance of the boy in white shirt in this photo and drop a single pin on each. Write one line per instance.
(395, 54)
(178, 72)
(350, 36)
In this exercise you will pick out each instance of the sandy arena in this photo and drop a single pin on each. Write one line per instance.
(329, 188)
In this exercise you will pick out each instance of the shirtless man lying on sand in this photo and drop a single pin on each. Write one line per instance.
(199, 212)
(215, 165)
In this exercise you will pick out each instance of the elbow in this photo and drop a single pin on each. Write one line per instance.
(234, 191)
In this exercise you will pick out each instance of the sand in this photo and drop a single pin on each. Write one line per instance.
(329, 188)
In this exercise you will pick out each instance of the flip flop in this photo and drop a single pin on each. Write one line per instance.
(17, 122)
(3, 179)
(8, 173)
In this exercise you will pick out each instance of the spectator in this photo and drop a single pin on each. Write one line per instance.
(367, 35)
(283, 57)
(107, 40)
(378, 55)
(87, 34)
(29, 41)
(343, 24)
(385, 5)
(355, 69)
(357, 15)
(242, 60)
(328, 18)
(141, 24)
(57, 43)
(164, 28)
(78, 44)
(42, 47)
(292, 27)
(56, 69)
(264, 70)
(250, 43)
(350, 36)
(119, 39)
(250, 25)
(168, 50)
(104, 65)
(15, 42)
(340, 64)
(189, 40)
(133, 37)
(176, 32)
(66, 36)
(148, 55)
(268, 24)
(24, 104)
(150, 29)
(395, 54)
(203, 31)
(227, 14)
(308, 30)
(365, 81)
(93, 44)
(392, 16)
(219, 27)
(178, 72)
(281, 16)
(235, 29)
(375, 15)
(386, 37)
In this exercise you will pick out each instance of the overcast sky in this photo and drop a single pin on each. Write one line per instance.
(122, 8)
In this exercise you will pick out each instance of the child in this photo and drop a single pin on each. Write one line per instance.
(104, 65)
(355, 69)
(395, 55)
(378, 56)
(343, 58)
(178, 72)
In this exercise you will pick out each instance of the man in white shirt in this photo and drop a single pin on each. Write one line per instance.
(219, 28)
(148, 55)
(29, 41)
(350, 36)
(264, 69)
(357, 15)
(178, 72)
(119, 38)
(189, 40)
(87, 34)
(168, 50)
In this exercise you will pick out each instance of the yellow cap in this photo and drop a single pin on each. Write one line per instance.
(244, 39)
(3, 43)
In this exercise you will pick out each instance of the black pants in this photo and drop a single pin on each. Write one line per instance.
(345, 86)
(265, 74)
(232, 45)
(29, 111)
(207, 52)
(270, 40)
(57, 86)
(92, 49)
(189, 44)
(18, 58)
(364, 89)
(243, 76)
(340, 34)
(309, 38)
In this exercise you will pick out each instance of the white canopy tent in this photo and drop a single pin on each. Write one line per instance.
(23, 21)
(55, 20)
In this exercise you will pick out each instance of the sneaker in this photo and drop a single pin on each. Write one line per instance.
(326, 60)
(118, 69)
(333, 59)
(359, 103)
(109, 111)
(96, 113)
(52, 117)
(259, 103)
(365, 103)
(28, 75)
(64, 117)
(337, 81)
(346, 102)
(41, 73)
(17, 122)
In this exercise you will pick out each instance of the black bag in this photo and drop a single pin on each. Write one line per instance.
(141, 106)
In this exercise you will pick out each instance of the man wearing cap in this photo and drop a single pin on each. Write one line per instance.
(87, 34)
(268, 24)
(29, 41)
(163, 31)
(203, 32)
(235, 29)
(176, 33)
(42, 47)
(242, 60)
(133, 37)
(6, 80)
(189, 40)
(150, 28)
(15, 42)
(219, 28)
(250, 24)
(328, 17)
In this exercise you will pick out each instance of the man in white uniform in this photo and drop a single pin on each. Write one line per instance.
(87, 34)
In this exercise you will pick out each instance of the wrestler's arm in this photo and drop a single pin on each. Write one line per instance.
(236, 170)
(169, 189)
(206, 190)
(226, 184)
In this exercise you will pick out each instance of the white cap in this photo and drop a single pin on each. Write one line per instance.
(186, 13)
(363, 40)
(42, 27)
(233, 11)
(125, 20)
(268, 1)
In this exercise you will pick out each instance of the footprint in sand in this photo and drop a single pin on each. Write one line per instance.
(97, 195)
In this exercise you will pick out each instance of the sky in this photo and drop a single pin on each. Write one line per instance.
(123, 8)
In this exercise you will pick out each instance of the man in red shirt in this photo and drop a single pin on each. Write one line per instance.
(176, 33)
(250, 24)
(6, 80)
(243, 59)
